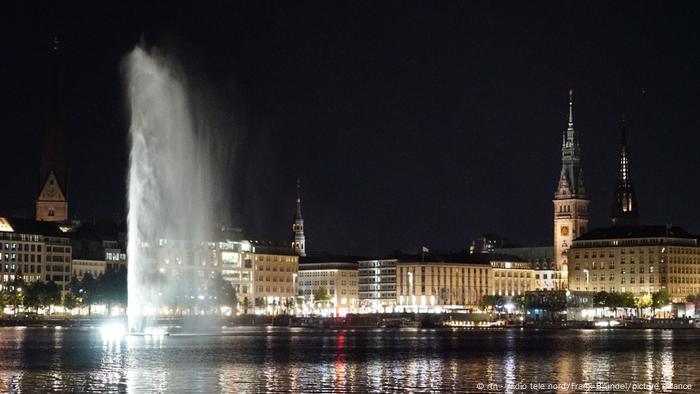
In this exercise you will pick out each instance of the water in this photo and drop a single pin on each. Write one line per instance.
(303, 360)
(172, 193)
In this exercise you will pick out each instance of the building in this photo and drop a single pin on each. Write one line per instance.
(377, 284)
(339, 278)
(96, 249)
(487, 243)
(442, 283)
(541, 260)
(299, 243)
(34, 251)
(637, 259)
(80, 268)
(512, 275)
(628, 257)
(570, 200)
(262, 274)
(52, 200)
(115, 255)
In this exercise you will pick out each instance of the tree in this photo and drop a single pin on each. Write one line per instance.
(693, 299)
(33, 295)
(622, 300)
(16, 293)
(246, 305)
(321, 295)
(645, 301)
(602, 299)
(4, 301)
(71, 301)
(288, 305)
(659, 299)
(50, 295)
(74, 298)
(259, 302)
(88, 291)
(225, 293)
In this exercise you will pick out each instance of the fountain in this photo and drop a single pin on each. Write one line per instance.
(171, 195)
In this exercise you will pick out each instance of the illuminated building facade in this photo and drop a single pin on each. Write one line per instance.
(338, 278)
(460, 282)
(638, 259)
(34, 251)
(512, 276)
(261, 274)
(437, 285)
(377, 284)
(541, 260)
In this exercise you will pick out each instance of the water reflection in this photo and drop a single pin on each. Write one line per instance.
(279, 359)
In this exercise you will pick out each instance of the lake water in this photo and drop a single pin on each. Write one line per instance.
(305, 360)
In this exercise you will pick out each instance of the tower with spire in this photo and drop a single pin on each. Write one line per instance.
(299, 243)
(570, 199)
(625, 209)
(52, 201)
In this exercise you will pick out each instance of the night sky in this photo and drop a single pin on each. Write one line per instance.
(408, 123)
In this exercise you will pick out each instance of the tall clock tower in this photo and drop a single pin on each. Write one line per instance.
(570, 200)
(52, 201)
(299, 243)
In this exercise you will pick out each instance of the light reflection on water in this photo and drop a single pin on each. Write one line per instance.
(281, 359)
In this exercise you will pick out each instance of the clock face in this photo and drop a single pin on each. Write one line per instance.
(51, 191)
(565, 231)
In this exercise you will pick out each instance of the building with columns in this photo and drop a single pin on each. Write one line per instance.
(460, 281)
(570, 200)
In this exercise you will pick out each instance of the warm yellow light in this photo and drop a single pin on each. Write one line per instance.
(5, 226)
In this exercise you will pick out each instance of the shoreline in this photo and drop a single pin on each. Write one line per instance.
(340, 324)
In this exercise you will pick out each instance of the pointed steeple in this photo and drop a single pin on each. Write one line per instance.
(571, 177)
(298, 216)
(625, 210)
(52, 203)
(299, 243)
(52, 159)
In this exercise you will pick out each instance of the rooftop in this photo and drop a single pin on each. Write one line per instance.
(328, 266)
(476, 258)
(29, 226)
(628, 232)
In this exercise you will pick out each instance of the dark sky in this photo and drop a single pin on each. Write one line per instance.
(408, 123)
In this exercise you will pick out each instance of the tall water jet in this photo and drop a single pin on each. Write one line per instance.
(170, 195)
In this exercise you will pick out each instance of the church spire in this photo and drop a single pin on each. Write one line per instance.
(299, 243)
(571, 109)
(625, 210)
(571, 176)
(52, 203)
(298, 213)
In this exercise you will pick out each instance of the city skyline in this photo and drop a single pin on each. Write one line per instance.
(463, 150)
